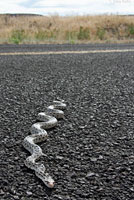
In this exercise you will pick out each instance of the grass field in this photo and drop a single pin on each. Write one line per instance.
(69, 29)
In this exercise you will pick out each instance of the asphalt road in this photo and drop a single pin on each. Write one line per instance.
(65, 47)
(90, 154)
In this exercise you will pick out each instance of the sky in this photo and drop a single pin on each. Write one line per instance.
(67, 7)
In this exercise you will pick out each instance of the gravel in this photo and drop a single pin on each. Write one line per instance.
(90, 153)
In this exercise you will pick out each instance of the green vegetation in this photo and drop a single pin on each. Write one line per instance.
(45, 35)
(131, 30)
(17, 36)
(100, 33)
(69, 29)
(71, 36)
(84, 34)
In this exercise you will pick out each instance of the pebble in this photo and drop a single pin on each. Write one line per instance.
(89, 174)
(93, 159)
(29, 193)
(59, 157)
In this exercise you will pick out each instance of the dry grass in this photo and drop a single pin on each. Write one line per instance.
(73, 29)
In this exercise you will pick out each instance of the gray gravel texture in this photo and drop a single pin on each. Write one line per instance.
(90, 153)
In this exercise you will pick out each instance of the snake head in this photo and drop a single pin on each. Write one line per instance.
(49, 181)
(46, 178)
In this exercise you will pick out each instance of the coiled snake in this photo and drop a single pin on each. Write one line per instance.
(47, 120)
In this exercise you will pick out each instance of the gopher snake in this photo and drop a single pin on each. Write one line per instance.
(47, 120)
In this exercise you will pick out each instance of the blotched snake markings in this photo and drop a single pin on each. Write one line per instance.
(46, 120)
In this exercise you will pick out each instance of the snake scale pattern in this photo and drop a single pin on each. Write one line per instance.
(38, 131)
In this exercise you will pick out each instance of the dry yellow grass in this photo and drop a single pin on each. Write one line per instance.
(71, 29)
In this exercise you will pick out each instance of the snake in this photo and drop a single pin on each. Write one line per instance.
(46, 120)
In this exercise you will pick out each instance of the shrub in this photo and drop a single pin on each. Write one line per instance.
(40, 35)
(131, 30)
(17, 36)
(100, 33)
(84, 33)
(44, 35)
(71, 36)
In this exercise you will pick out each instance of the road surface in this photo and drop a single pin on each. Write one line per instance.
(90, 154)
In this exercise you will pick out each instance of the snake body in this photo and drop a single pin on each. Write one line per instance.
(38, 131)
